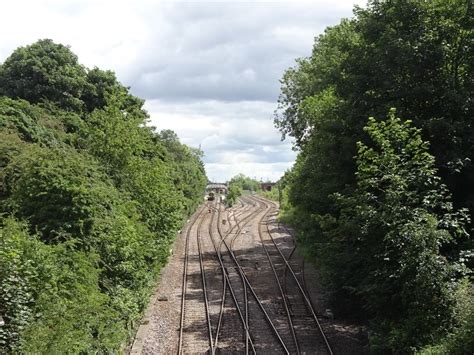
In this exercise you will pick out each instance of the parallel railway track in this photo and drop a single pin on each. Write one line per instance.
(235, 315)
(299, 284)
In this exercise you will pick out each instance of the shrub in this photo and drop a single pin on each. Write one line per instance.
(388, 239)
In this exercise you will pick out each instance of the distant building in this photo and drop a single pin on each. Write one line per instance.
(217, 188)
(267, 186)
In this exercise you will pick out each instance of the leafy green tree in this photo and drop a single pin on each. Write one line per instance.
(72, 314)
(319, 75)
(389, 236)
(245, 183)
(232, 195)
(50, 299)
(90, 199)
(104, 84)
(44, 71)
(135, 160)
(188, 174)
(413, 55)
(59, 191)
(34, 124)
(16, 277)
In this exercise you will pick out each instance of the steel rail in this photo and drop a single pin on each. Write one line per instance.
(229, 285)
(244, 285)
(239, 228)
(277, 279)
(307, 300)
(259, 302)
(204, 285)
(185, 277)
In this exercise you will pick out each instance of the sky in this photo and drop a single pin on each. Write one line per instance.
(209, 71)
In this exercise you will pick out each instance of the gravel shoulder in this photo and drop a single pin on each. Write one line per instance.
(159, 329)
(345, 336)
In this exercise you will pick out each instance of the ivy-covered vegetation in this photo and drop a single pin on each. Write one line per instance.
(385, 204)
(90, 199)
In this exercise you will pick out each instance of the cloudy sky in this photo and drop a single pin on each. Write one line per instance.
(208, 70)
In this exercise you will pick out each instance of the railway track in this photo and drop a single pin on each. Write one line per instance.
(302, 309)
(231, 279)
(257, 301)
(240, 292)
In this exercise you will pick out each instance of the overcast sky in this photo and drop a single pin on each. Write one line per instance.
(208, 70)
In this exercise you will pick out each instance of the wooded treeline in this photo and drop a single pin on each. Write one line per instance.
(237, 185)
(383, 204)
(91, 198)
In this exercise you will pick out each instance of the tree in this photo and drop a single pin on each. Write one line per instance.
(233, 194)
(44, 71)
(103, 84)
(244, 183)
(90, 199)
(415, 56)
(390, 234)
(419, 53)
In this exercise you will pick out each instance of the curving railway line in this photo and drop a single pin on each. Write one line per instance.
(241, 290)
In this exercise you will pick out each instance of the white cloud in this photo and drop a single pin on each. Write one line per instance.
(209, 70)
(236, 133)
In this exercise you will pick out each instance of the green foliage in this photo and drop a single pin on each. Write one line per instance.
(104, 84)
(237, 185)
(279, 192)
(381, 226)
(403, 218)
(44, 71)
(28, 122)
(461, 339)
(51, 300)
(234, 192)
(320, 75)
(73, 315)
(90, 199)
(418, 51)
(189, 176)
(58, 190)
(162, 175)
(271, 195)
(382, 252)
(245, 183)
(17, 273)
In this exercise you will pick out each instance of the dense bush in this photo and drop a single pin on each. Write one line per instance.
(394, 226)
(90, 199)
(44, 71)
(51, 299)
(460, 340)
(233, 194)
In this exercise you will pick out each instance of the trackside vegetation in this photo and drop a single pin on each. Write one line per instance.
(382, 189)
(91, 197)
(238, 184)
